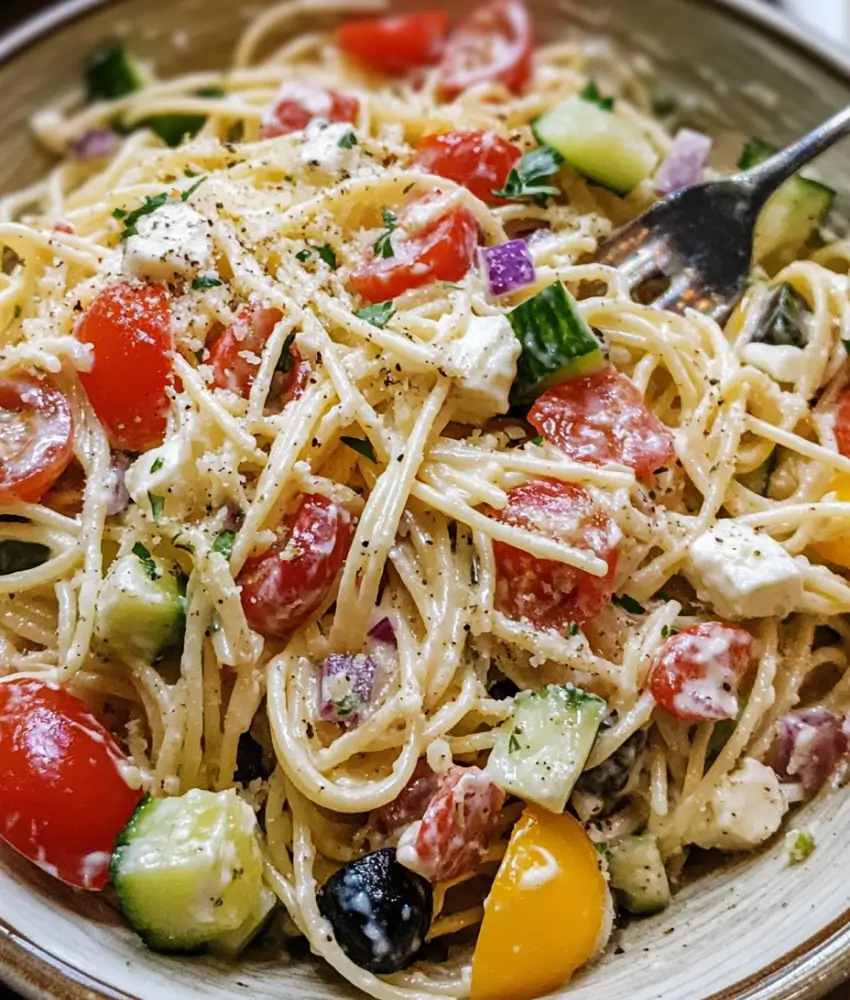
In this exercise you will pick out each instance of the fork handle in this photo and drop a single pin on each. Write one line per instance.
(766, 177)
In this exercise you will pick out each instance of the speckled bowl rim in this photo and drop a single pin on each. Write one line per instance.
(808, 972)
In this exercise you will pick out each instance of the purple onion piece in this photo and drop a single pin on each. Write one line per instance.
(117, 497)
(685, 162)
(507, 267)
(383, 631)
(809, 745)
(348, 681)
(97, 144)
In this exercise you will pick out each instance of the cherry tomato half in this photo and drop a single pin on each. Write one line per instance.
(443, 250)
(129, 327)
(842, 423)
(494, 44)
(291, 114)
(63, 800)
(284, 586)
(36, 436)
(396, 44)
(480, 161)
(550, 594)
(390, 820)
(602, 418)
(695, 674)
(235, 355)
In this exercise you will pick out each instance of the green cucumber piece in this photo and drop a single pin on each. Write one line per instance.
(173, 129)
(231, 944)
(557, 343)
(188, 871)
(542, 749)
(141, 609)
(637, 874)
(604, 147)
(110, 73)
(791, 217)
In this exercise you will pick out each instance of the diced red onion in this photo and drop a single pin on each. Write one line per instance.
(97, 144)
(117, 497)
(383, 631)
(348, 680)
(684, 163)
(507, 267)
(809, 745)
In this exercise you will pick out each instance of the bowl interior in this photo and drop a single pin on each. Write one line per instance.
(725, 929)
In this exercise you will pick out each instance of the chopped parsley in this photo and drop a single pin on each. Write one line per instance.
(199, 284)
(361, 446)
(514, 745)
(326, 252)
(157, 505)
(574, 629)
(538, 440)
(525, 180)
(592, 94)
(286, 362)
(147, 561)
(629, 604)
(348, 141)
(120, 213)
(149, 206)
(223, 543)
(157, 465)
(378, 315)
(304, 255)
(383, 245)
(345, 706)
(800, 845)
(187, 194)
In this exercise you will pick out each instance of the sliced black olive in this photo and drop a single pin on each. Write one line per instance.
(251, 762)
(610, 777)
(380, 911)
(783, 318)
(504, 688)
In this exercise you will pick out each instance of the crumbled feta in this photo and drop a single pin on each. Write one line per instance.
(781, 362)
(743, 574)
(161, 472)
(484, 363)
(744, 810)
(175, 241)
(321, 147)
(313, 100)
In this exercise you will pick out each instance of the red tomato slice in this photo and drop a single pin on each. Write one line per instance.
(480, 161)
(602, 418)
(458, 825)
(695, 674)
(549, 594)
(390, 820)
(129, 327)
(396, 44)
(294, 111)
(284, 586)
(494, 44)
(36, 436)
(444, 250)
(842, 423)
(232, 369)
(62, 798)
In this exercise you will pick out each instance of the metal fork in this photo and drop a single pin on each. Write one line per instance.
(701, 238)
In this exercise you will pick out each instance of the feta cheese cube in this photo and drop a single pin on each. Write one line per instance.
(484, 361)
(162, 472)
(743, 574)
(173, 242)
(744, 810)
(321, 147)
(781, 362)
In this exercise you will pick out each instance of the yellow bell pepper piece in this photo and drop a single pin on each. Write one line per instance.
(544, 915)
(836, 550)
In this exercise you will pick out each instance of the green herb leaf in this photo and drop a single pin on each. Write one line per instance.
(378, 315)
(524, 181)
(383, 245)
(514, 745)
(190, 173)
(304, 255)
(187, 194)
(347, 705)
(17, 556)
(800, 845)
(157, 505)
(286, 362)
(327, 254)
(361, 446)
(223, 543)
(846, 345)
(199, 355)
(148, 208)
(574, 629)
(538, 440)
(199, 284)
(147, 560)
(348, 141)
(665, 631)
(119, 213)
(629, 604)
(158, 464)
(591, 93)
(110, 74)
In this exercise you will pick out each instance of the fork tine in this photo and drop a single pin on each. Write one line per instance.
(684, 293)
(637, 265)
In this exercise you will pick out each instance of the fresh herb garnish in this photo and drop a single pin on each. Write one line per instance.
(514, 744)
(199, 284)
(110, 74)
(190, 173)
(187, 194)
(157, 505)
(524, 181)
(147, 561)
(223, 543)
(348, 141)
(119, 213)
(629, 604)
(591, 93)
(574, 629)
(383, 245)
(199, 355)
(326, 252)
(158, 463)
(361, 446)
(148, 208)
(538, 440)
(286, 362)
(345, 706)
(800, 845)
(304, 255)
(378, 315)
(17, 556)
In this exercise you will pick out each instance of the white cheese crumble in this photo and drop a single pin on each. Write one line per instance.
(321, 147)
(173, 242)
(162, 472)
(743, 574)
(781, 362)
(484, 363)
(744, 810)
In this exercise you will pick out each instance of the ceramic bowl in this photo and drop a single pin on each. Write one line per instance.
(753, 930)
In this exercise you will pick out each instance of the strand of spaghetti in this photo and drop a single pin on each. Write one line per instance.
(800, 445)
(192, 680)
(211, 707)
(612, 739)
